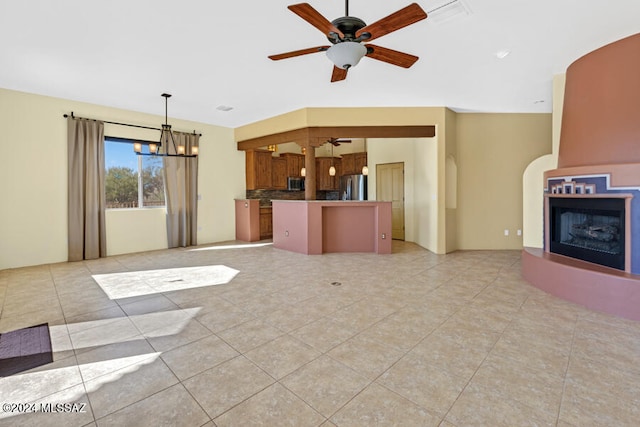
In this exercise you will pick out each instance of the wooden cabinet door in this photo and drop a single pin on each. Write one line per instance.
(258, 169)
(348, 165)
(263, 169)
(266, 223)
(322, 174)
(279, 173)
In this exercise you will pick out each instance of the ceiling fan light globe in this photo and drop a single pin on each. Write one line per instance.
(346, 54)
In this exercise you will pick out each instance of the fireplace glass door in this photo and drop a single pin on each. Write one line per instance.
(591, 229)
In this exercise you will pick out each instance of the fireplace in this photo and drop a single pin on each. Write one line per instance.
(588, 228)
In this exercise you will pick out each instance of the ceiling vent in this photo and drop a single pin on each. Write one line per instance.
(440, 11)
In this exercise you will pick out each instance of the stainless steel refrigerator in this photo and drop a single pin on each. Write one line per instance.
(353, 187)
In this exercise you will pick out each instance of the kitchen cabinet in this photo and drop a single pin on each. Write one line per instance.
(266, 223)
(279, 173)
(352, 163)
(348, 164)
(295, 162)
(324, 181)
(258, 169)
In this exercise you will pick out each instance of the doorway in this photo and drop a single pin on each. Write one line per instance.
(390, 188)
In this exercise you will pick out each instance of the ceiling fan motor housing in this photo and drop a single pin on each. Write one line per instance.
(349, 26)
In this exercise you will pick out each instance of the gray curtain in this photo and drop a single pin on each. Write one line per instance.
(86, 204)
(181, 190)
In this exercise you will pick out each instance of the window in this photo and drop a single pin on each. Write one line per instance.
(131, 181)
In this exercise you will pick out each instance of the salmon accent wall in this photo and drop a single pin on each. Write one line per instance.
(601, 119)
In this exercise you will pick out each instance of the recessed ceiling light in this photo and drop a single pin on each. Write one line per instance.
(224, 108)
(501, 54)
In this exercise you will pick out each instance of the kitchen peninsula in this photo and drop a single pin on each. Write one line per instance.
(314, 227)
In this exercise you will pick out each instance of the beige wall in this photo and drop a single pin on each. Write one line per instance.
(533, 179)
(33, 181)
(451, 182)
(493, 151)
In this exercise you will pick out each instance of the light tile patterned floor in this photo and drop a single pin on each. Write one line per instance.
(408, 339)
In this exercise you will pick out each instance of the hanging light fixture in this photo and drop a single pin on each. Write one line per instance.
(165, 135)
(332, 169)
(365, 168)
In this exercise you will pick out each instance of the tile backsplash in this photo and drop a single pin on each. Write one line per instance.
(266, 196)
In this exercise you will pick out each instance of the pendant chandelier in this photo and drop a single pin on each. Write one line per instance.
(155, 149)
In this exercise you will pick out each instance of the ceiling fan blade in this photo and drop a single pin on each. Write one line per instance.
(338, 74)
(298, 52)
(313, 17)
(391, 56)
(400, 19)
(337, 141)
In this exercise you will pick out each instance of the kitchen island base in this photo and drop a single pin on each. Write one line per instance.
(314, 227)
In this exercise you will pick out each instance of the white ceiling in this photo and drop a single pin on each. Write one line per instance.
(207, 53)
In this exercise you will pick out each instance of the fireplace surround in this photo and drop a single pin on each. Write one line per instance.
(600, 206)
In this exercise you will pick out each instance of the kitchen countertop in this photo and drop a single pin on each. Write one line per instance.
(325, 201)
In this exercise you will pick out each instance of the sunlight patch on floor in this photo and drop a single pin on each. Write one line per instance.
(30, 387)
(102, 332)
(137, 283)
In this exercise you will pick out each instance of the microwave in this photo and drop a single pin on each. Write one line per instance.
(295, 183)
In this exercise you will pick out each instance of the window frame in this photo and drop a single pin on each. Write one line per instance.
(131, 141)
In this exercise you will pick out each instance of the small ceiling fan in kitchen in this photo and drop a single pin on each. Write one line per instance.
(337, 141)
(348, 34)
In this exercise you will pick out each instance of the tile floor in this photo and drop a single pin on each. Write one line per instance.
(259, 336)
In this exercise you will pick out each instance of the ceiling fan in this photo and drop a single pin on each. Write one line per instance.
(337, 141)
(348, 33)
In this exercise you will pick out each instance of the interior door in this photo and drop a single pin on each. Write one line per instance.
(390, 188)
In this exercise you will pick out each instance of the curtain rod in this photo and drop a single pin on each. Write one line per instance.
(120, 124)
